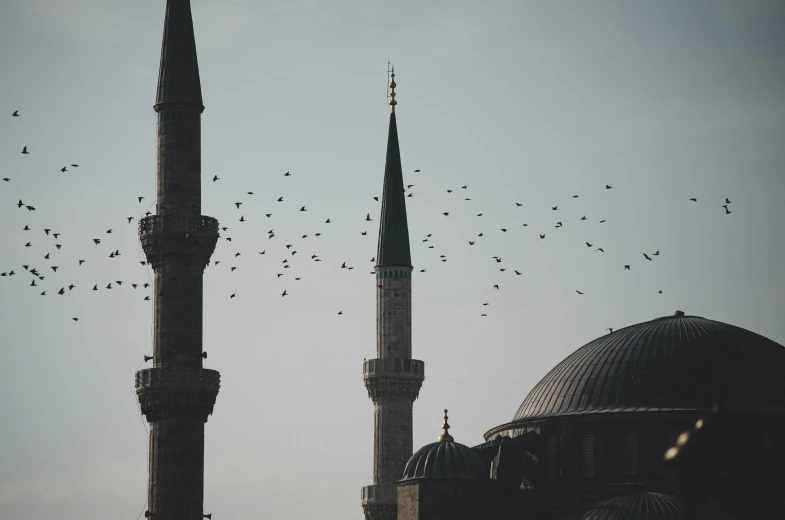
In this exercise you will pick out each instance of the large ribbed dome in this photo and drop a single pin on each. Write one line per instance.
(636, 506)
(673, 363)
(445, 460)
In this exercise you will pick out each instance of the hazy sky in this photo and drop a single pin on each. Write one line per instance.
(528, 102)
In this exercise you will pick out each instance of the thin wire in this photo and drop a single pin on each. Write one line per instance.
(340, 376)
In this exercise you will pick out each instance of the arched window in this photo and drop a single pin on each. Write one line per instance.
(587, 463)
(629, 452)
(553, 457)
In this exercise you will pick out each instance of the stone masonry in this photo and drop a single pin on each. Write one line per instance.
(177, 394)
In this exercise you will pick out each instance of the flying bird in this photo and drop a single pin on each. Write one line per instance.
(238, 204)
(140, 199)
(608, 186)
(446, 213)
(280, 199)
(496, 287)
(303, 209)
(16, 113)
(577, 291)
(554, 208)
(368, 217)
(24, 150)
(694, 200)
(542, 236)
(215, 178)
(283, 293)
(647, 257)
(287, 174)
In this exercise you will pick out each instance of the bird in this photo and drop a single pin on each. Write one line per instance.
(583, 217)
(28, 244)
(71, 287)
(559, 224)
(283, 293)
(75, 319)
(97, 241)
(262, 252)
(479, 214)
(250, 193)
(727, 211)
(242, 218)
(694, 200)
(215, 178)
(446, 213)
(601, 221)
(480, 235)
(517, 272)
(26, 228)
(130, 219)
(95, 287)
(368, 217)
(109, 286)
(232, 296)
(554, 208)
(600, 249)
(574, 196)
(471, 243)
(340, 312)
(657, 253)
(237, 254)
(32, 284)
(147, 298)
(75, 166)
(108, 230)
(518, 204)
(15, 114)
(343, 265)
(232, 269)
(287, 174)
(483, 315)
(268, 215)
(610, 329)
(608, 186)
(140, 199)
(727, 201)
(6, 179)
(81, 262)
(542, 236)
(486, 303)
(577, 291)
(376, 199)
(20, 203)
(647, 257)
(660, 292)
(449, 191)
(63, 169)
(24, 150)
(61, 291)
(327, 221)
(416, 171)
(42, 294)
(303, 209)
(496, 287)
(55, 268)
(280, 199)
(364, 233)
(588, 244)
(238, 204)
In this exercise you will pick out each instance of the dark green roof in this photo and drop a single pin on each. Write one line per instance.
(393, 229)
(178, 77)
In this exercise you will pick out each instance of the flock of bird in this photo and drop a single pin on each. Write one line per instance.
(40, 279)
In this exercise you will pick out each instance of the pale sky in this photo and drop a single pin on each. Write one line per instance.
(529, 102)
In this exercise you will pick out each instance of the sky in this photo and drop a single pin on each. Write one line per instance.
(528, 101)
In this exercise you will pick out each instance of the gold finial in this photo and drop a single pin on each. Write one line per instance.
(445, 436)
(392, 90)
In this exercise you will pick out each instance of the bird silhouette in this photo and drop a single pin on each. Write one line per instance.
(647, 257)
(518, 204)
(694, 200)
(216, 178)
(283, 293)
(303, 209)
(727, 201)
(471, 243)
(517, 272)
(496, 287)
(554, 208)
(368, 217)
(446, 213)
(610, 329)
(608, 186)
(24, 150)
(577, 291)
(238, 204)
(287, 174)
(16, 113)
(280, 199)
(542, 236)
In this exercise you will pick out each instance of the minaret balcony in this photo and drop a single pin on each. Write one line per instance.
(379, 494)
(178, 239)
(402, 368)
(177, 392)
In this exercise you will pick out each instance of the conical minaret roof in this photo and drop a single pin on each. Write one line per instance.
(178, 77)
(393, 229)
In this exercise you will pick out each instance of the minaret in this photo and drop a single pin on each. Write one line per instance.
(177, 394)
(393, 379)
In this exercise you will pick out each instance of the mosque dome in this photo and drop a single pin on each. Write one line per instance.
(673, 363)
(635, 506)
(445, 459)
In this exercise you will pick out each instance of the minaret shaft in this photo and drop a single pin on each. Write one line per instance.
(177, 395)
(393, 379)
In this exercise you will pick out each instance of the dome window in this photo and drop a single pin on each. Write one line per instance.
(553, 457)
(629, 453)
(587, 463)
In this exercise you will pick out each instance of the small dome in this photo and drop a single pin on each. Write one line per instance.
(636, 506)
(445, 459)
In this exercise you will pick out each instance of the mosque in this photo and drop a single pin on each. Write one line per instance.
(680, 417)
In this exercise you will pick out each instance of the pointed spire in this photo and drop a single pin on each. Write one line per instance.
(445, 436)
(393, 247)
(178, 77)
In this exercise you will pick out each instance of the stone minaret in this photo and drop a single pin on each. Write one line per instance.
(177, 394)
(393, 379)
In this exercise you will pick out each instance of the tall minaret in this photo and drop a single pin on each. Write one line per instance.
(393, 379)
(177, 394)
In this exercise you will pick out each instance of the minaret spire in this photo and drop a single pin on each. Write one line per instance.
(177, 394)
(393, 379)
(178, 76)
(393, 249)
